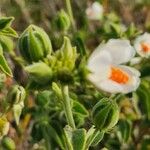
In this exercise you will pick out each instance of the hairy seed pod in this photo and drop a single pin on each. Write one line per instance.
(34, 44)
(39, 72)
(105, 114)
(16, 95)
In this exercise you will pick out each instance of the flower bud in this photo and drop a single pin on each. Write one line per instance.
(43, 98)
(63, 21)
(8, 143)
(34, 44)
(105, 114)
(39, 72)
(16, 95)
(67, 55)
(4, 126)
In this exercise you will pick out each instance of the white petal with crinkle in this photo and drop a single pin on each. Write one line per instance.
(102, 73)
(120, 50)
(110, 86)
(97, 59)
(137, 44)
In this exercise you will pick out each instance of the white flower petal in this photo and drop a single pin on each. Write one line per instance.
(121, 51)
(132, 86)
(99, 58)
(130, 70)
(137, 44)
(134, 81)
(110, 86)
(99, 73)
(95, 11)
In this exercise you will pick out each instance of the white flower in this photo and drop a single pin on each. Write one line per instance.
(95, 11)
(107, 73)
(142, 45)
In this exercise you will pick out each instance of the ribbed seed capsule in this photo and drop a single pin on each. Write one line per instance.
(105, 114)
(34, 44)
(16, 95)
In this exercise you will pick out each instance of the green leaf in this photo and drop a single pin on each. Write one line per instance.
(98, 137)
(145, 143)
(55, 136)
(79, 109)
(6, 43)
(143, 93)
(5, 22)
(76, 138)
(4, 66)
(145, 70)
(124, 130)
(80, 46)
(93, 137)
(9, 32)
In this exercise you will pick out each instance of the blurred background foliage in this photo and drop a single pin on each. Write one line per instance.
(44, 12)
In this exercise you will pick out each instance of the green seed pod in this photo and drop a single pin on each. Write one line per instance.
(4, 126)
(105, 114)
(16, 95)
(63, 21)
(39, 72)
(8, 143)
(34, 44)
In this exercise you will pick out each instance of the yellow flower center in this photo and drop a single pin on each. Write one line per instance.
(119, 76)
(145, 47)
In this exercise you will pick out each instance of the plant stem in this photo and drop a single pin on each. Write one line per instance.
(67, 107)
(46, 137)
(69, 9)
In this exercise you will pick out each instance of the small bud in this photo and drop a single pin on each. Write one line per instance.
(8, 143)
(43, 98)
(67, 55)
(4, 126)
(39, 72)
(34, 44)
(105, 114)
(16, 95)
(63, 21)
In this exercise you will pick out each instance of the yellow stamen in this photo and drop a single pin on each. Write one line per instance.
(145, 47)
